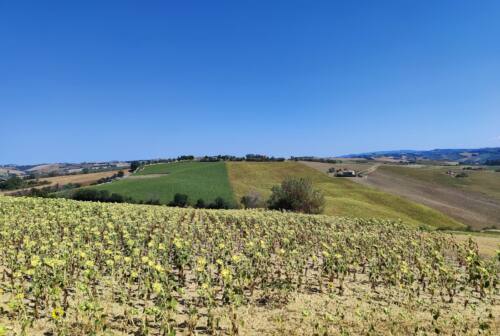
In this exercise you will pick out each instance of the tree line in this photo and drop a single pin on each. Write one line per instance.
(293, 194)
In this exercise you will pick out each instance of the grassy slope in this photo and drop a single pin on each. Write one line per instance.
(196, 179)
(484, 181)
(343, 197)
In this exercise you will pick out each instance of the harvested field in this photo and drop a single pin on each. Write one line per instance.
(10, 171)
(83, 179)
(467, 205)
(45, 168)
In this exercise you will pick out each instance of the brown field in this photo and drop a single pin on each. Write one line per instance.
(10, 171)
(46, 168)
(466, 204)
(83, 179)
(472, 208)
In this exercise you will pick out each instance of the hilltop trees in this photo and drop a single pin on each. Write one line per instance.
(134, 165)
(297, 194)
(13, 182)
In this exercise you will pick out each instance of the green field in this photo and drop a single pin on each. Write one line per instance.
(164, 168)
(205, 180)
(343, 197)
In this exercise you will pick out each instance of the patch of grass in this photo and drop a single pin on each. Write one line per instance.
(343, 197)
(206, 180)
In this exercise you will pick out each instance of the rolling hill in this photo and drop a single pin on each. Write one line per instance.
(343, 197)
(232, 180)
(466, 156)
(473, 200)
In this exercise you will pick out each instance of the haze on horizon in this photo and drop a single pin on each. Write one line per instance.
(121, 80)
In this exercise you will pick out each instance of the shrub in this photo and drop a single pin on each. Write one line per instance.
(200, 204)
(219, 203)
(180, 200)
(91, 195)
(251, 200)
(296, 194)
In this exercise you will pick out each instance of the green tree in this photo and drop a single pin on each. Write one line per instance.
(200, 204)
(180, 200)
(297, 194)
(12, 183)
(134, 165)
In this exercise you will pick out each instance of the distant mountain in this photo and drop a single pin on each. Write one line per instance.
(462, 155)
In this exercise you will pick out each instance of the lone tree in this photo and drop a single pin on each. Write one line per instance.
(297, 194)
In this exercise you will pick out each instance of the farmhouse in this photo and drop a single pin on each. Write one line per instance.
(345, 173)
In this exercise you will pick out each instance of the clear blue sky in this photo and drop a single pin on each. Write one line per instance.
(103, 80)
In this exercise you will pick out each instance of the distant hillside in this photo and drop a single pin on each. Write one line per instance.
(464, 156)
(56, 169)
(343, 197)
(232, 180)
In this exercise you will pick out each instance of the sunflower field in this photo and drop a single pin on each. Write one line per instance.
(82, 268)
